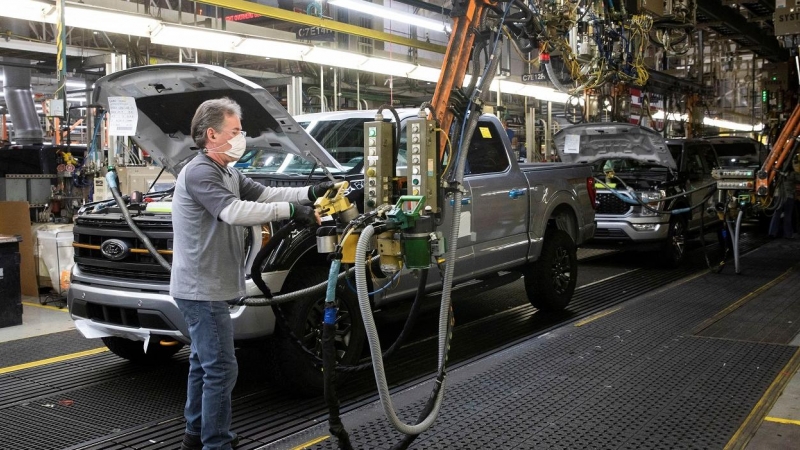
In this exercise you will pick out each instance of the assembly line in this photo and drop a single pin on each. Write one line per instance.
(260, 226)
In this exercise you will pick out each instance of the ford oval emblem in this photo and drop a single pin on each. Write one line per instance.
(115, 249)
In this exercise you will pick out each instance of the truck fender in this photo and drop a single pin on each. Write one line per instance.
(560, 213)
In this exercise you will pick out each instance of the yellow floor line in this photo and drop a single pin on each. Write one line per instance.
(779, 420)
(44, 362)
(63, 309)
(738, 303)
(310, 443)
(748, 428)
(583, 322)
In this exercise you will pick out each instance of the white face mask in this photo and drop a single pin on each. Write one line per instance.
(238, 146)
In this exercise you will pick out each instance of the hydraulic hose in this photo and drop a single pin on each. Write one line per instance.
(734, 232)
(264, 252)
(445, 310)
(111, 178)
(638, 202)
(335, 425)
(553, 78)
(375, 345)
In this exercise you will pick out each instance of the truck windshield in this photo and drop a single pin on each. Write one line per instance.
(342, 138)
(270, 160)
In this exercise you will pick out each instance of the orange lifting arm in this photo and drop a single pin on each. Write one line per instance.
(780, 151)
(466, 19)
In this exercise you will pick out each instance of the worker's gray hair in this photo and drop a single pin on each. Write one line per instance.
(212, 114)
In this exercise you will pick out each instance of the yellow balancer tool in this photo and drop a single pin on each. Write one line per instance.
(335, 204)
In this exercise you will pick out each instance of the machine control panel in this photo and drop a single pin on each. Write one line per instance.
(421, 156)
(378, 155)
(733, 173)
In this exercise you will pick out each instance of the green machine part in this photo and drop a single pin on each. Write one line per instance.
(416, 230)
(378, 164)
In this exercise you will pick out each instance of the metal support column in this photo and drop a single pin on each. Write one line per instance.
(294, 96)
(114, 63)
(321, 88)
(530, 135)
(548, 131)
(61, 65)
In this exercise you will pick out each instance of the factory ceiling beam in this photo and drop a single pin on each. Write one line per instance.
(767, 45)
(308, 20)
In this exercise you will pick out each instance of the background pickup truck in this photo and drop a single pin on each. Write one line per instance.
(651, 169)
(516, 219)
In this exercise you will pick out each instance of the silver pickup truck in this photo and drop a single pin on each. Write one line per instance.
(516, 219)
(639, 165)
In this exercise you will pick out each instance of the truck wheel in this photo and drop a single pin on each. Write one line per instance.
(304, 317)
(134, 350)
(550, 281)
(674, 250)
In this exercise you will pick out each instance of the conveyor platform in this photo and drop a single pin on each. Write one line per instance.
(693, 365)
(644, 358)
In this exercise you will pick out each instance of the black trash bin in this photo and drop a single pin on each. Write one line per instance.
(10, 296)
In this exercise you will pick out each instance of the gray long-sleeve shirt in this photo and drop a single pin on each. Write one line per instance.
(210, 206)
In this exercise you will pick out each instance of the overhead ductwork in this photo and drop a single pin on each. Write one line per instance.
(19, 100)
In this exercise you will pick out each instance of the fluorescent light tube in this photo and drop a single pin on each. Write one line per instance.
(100, 19)
(338, 58)
(392, 14)
(197, 38)
(272, 49)
(387, 67)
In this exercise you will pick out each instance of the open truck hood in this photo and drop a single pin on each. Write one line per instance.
(590, 142)
(167, 96)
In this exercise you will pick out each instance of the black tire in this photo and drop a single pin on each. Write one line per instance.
(134, 350)
(295, 370)
(673, 252)
(550, 281)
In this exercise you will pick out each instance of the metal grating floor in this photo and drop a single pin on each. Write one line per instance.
(118, 405)
(635, 379)
(22, 351)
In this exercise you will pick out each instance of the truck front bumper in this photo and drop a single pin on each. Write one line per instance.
(105, 307)
(633, 232)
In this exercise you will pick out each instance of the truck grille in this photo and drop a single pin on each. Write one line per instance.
(90, 234)
(602, 233)
(611, 204)
(126, 317)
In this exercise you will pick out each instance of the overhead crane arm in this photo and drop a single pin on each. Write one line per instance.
(467, 16)
(781, 150)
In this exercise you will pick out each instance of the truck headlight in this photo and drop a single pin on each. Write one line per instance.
(653, 200)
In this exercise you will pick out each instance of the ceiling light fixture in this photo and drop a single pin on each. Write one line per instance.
(194, 37)
(392, 14)
(272, 49)
(82, 16)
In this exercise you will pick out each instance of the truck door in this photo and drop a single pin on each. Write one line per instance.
(499, 193)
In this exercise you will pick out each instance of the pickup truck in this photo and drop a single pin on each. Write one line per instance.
(516, 219)
(642, 165)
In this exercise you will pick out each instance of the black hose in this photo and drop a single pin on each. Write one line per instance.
(113, 184)
(407, 327)
(335, 425)
(264, 252)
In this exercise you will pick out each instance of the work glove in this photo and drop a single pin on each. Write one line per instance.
(319, 189)
(303, 215)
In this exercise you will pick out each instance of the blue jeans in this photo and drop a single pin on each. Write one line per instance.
(212, 372)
